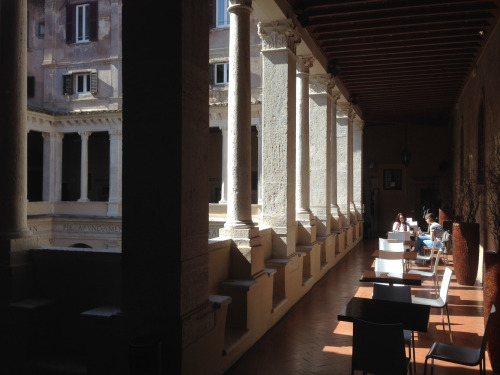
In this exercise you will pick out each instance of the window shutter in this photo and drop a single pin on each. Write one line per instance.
(68, 84)
(31, 86)
(211, 13)
(70, 24)
(94, 21)
(93, 82)
(211, 68)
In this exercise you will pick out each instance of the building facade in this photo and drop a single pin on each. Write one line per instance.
(74, 122)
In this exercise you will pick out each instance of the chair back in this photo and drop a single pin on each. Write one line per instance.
(384, 244)
(387, 292)
(388, 254)
(446, 237)
(445, 283)
(487, 329)
(436, 261)
(378, 348)
(400, 236)
(389, 265)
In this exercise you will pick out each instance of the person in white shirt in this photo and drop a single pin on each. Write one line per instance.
(435, 231)
(401, 225)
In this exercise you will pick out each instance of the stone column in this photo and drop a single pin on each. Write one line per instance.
(302, 138)
(358, 125)
(239, 199)
(84, 167)
(279, 41)
(13, 133)
(15, 237)
(115, 172)
(223, 188)
(320, 115)
(335, 96)
(344, 151)
(259, 162)
(48, 167)
(58, 155)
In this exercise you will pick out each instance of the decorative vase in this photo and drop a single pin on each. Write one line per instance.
(491, 295)
(466, 252)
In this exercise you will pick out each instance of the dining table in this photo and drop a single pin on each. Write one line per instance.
(391, 278)
(413, 316)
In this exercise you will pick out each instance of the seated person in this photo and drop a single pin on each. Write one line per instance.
(435, 231)
(400, 225)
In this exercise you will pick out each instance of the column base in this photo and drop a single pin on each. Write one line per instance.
(83, 200)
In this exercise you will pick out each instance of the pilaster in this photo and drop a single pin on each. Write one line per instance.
(358, 126)
(334, 98)
(320, 115)
(279, 41)
(344, 161)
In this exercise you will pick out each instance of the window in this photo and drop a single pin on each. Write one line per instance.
(221, 74)
(222, 13)
(80, 83)
(31, 86)
(41, 30)
(393, 179)
(81, 22)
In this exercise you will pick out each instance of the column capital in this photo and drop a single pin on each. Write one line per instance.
(235, 5)
(358, 122)
(304, 62)
(344, 109)
(279, 35)
(319, 84)
(84, 134)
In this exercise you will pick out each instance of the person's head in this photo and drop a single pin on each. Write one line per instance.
(430, 218)
(401, 218)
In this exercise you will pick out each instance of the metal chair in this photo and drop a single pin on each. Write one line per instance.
(445, 240)
(432, 273)
(378, 348)
(440, 301)
(430, 254)
(460, 355)
(401, 293)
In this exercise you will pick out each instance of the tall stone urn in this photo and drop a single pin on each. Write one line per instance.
(466, 252)
(491, 295)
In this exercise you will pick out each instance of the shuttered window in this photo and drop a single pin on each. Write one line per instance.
(84, 83)
(68, 84)
(82, 22)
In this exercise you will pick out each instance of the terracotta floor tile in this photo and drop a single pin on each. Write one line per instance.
(310, 340)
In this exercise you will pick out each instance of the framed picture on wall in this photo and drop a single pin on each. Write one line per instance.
(393, 179)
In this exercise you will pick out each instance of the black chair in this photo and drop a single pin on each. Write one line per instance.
(399, 293)
(460, 355)
(378, 348)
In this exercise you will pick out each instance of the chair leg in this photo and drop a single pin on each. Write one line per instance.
(449, 325)
(413, 344)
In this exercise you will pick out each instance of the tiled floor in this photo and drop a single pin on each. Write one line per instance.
(310, 339)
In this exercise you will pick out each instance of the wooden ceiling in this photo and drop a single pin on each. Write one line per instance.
(402, 61)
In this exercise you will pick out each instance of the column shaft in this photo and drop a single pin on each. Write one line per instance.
(223, 189)
(84, 167)
(115, 172)
(13, 104)
(302, 116)
(358, 166)
(239, 206)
